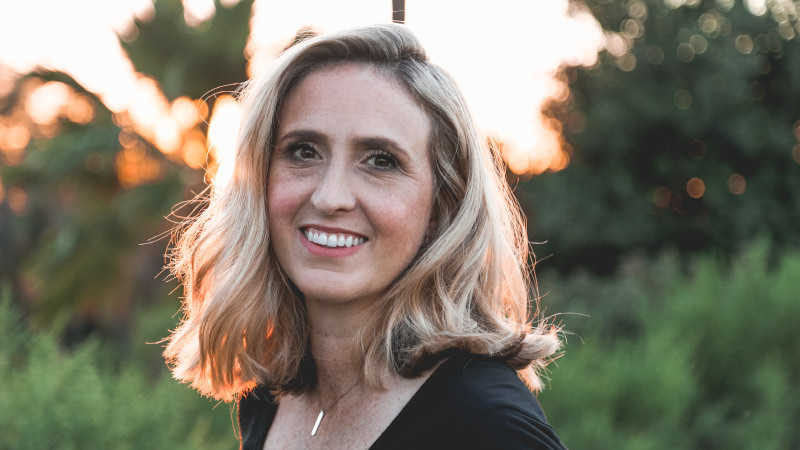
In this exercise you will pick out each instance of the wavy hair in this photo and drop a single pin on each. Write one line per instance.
(468, 288)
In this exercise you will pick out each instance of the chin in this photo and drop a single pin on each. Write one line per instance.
(340, 295)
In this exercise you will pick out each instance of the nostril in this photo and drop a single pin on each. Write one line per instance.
(333, 194)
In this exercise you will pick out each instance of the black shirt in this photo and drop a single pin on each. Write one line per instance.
(469, 402)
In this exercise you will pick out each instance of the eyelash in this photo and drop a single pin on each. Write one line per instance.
(294, 150)
(393, 162)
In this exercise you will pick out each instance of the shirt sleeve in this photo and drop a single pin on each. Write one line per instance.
(512, 428)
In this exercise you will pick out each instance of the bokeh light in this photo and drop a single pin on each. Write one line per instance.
(134, 166)
(197, 12)
(695, 187)
(662, 197)
(744, 44)
(46, 101)
(17, 200)
(223, 131)
(737, 184)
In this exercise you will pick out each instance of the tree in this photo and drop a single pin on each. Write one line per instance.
(74, 220)
(684, 135)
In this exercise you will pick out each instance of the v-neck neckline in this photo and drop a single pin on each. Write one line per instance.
(422, 396)
(416, 401)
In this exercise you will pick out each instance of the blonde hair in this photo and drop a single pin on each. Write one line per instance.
(468, 288)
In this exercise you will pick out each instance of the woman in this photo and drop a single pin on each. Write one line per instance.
(361, 281)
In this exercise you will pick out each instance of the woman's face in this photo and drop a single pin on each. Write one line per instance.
(350, 184)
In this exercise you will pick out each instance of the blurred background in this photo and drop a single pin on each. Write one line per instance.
(653, 145)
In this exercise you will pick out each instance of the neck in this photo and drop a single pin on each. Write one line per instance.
(333, 333)
(333, 356)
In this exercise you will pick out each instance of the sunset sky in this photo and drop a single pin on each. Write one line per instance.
(504, 54)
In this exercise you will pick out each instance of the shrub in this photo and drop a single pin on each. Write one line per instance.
(50, 398)
(669, 360)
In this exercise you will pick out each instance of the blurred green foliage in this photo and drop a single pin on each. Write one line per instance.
(85, 295)
(706, 90)
(86, 398)
(655, 359)
(665, 356)
(191, 61)
(78, 247)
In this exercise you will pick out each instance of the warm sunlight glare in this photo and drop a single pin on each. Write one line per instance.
(45, 103)
(503, 53)
(223, 131)
(134, 166)
(83, 42)
(506, 69)
(275, 23)
(185, 113)
(195, 12)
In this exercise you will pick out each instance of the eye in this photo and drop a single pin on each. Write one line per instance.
(303, 151)
(382, 160)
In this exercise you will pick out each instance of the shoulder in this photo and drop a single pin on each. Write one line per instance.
(474, 402)
(482, 384)
(498, 410)
(256, 401)
(256, 411)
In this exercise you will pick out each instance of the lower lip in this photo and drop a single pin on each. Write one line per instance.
(328, 252)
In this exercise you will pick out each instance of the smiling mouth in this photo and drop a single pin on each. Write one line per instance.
(333, 240)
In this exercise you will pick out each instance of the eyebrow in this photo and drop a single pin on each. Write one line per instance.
(363, 142)
(302, 134)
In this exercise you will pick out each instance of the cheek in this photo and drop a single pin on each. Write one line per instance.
(405, 216)
(283, 201)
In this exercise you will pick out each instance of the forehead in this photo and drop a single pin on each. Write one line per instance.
(359, 95)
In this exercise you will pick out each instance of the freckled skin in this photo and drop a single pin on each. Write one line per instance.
(338, 172)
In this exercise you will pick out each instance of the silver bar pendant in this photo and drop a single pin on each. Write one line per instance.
(316, 424)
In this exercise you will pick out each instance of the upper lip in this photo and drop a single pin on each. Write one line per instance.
(331, 230)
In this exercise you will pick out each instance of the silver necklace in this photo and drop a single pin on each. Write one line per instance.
(322, 410)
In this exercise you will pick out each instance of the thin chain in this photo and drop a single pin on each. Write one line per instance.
(322, 410)
(340, 397)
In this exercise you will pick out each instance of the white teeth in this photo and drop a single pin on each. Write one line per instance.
(332, 240)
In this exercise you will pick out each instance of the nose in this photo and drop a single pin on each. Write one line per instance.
(334, 192)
